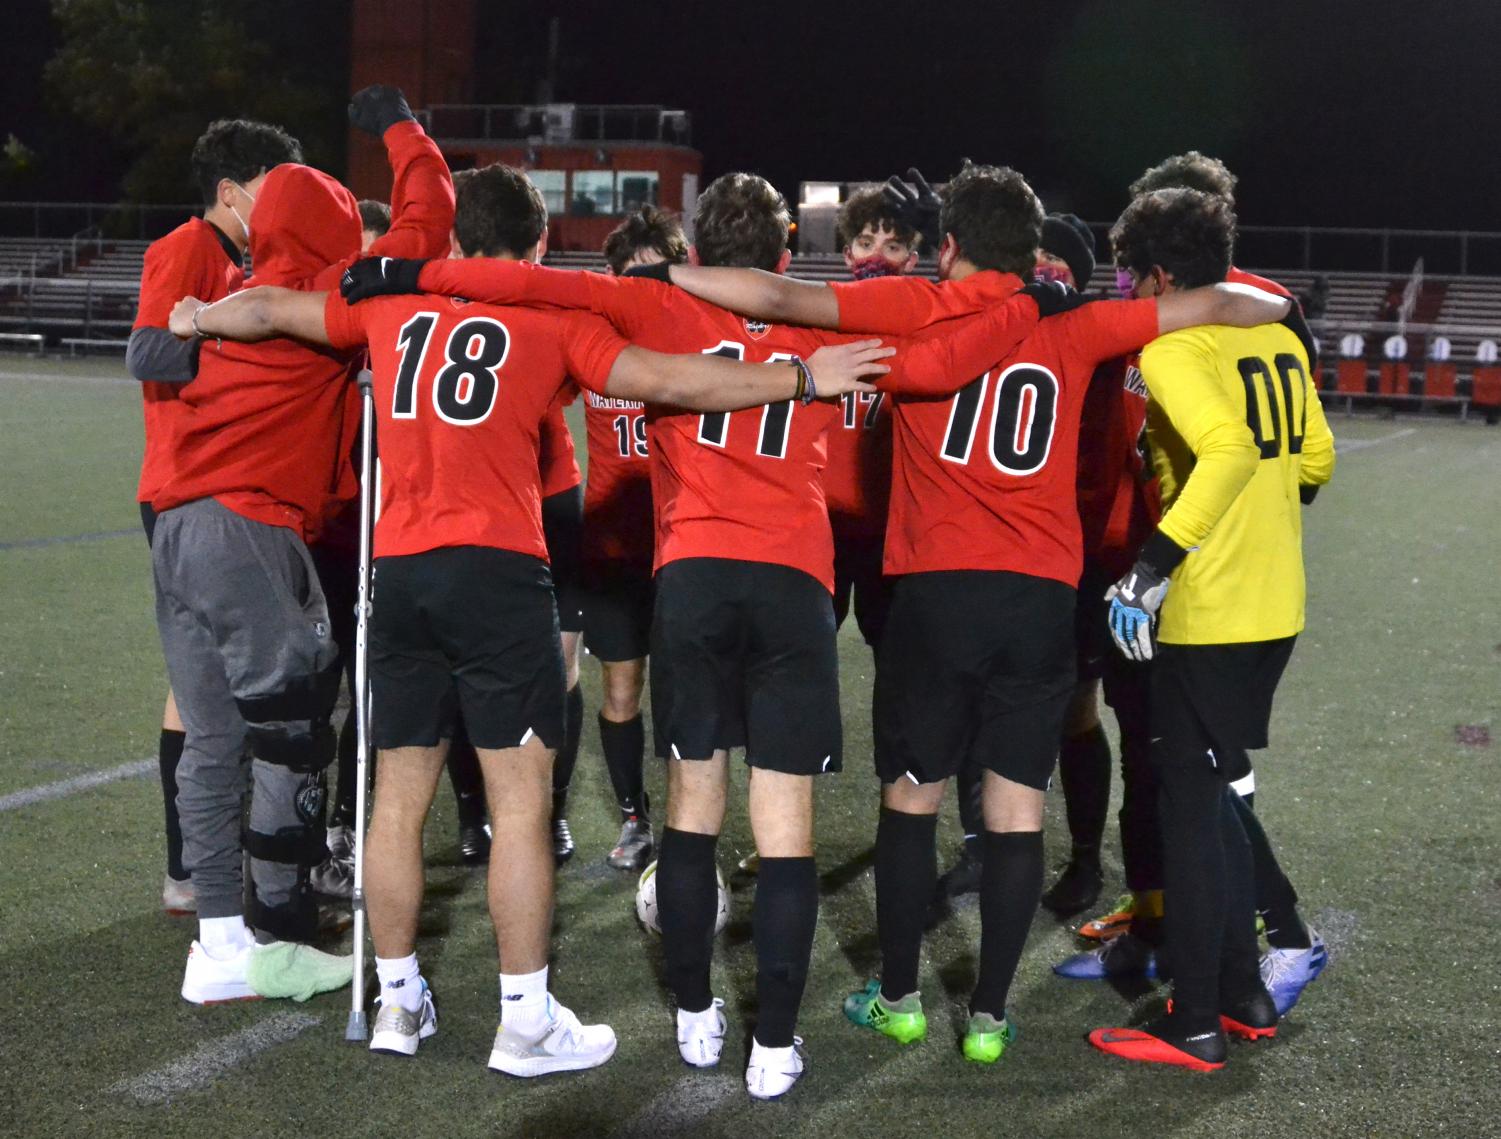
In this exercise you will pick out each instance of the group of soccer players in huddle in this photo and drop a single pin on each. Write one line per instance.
(958, 462)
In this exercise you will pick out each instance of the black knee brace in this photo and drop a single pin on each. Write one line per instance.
(291, 728)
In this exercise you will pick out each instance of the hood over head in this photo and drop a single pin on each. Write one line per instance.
(304, 220)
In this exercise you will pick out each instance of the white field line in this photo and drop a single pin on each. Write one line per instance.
(1343, 448)
(64, 787)
(64, 377)
(682, 1108)
(202, 1066)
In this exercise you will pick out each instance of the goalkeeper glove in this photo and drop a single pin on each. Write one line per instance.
(380, 277)
(917, 210)
(377, 108)
(1137, 597)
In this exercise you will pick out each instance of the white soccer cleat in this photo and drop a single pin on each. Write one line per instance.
(178, 898)
(215, 981)
(701, 1035)
(398, 1031)
(564, 1045)
(772, 1071)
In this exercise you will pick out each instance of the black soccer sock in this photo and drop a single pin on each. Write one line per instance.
(168, 756)
(687, 899)
(467, 778)
(1141, 833)
(568, 754)
(785, 915)
(1196, 882)
(1010, 886)
(906, 870)
(1240, 956)
(624, 745)
(970, 786)
(1084, 765)
(342, 814)
(1275, 897)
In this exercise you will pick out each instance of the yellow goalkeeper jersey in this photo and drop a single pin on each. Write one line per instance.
(1235, 427)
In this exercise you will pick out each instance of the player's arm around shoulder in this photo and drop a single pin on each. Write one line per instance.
(760, 295)
(261, 313)
(1239, 306)
(1182, 377)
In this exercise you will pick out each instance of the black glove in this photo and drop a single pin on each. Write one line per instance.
(918, 210)
(378, 108)
(380, 277)
(659, 271)
(1053, 297)
(1306, 494)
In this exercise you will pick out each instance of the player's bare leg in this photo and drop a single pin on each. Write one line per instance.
(624, 742)
(786, 914)
(405, 782)
(687, 898)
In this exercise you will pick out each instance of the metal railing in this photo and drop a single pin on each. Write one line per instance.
(558, 123)
(115, 221)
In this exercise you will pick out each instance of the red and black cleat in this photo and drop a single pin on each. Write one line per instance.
(1163, 1041)
(1254, 1018)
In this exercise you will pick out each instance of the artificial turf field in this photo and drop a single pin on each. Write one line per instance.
(1386, 821)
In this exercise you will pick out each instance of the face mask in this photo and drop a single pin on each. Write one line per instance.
(245, 225)
(1050, 273)
(875, 266)
(1124, 285)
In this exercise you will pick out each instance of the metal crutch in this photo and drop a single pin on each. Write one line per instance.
(356, 1028)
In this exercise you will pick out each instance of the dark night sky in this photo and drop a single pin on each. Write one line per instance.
(1336, 112)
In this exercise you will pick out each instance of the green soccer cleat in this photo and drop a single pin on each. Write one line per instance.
(986, 1039)
(902, 1020)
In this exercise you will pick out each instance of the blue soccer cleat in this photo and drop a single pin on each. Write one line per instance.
(1125, 956)
(1287, 972)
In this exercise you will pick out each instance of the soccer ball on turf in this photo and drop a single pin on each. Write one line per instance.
(646, 900)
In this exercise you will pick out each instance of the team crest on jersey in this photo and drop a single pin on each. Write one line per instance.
(756, 329)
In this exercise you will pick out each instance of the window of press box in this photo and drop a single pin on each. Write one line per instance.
(637, 188)
(593, 193)
(551, 185)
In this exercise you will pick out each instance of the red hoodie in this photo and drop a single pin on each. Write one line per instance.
(270, 426)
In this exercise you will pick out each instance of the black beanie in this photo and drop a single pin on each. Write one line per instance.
(1066, 236)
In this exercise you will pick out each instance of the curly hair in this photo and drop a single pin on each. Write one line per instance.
(497, 211)
(1191, 171)
(647, 228)
(240, 150)
(1189, 233)
(869, 208)
(995, 217)
(742, 221)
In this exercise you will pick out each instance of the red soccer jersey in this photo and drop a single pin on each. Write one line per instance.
(461, 391)
(559, 464)
(744, 485)
(1241, 277)
(857, 481)
(985, 479)
(1117, 505)
(617, 495)
(191, 261)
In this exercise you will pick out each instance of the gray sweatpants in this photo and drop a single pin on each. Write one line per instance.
(245, 631)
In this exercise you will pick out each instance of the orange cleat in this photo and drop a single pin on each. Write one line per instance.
(1109, 926)
(1254, 1018)
(1158, 1044)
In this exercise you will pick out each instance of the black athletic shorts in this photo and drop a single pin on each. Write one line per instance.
(148, 521)
(858, 576)
(563, 528)
(617, 610)
(1214, 702)
(743, 655)
(974, 663)
(465, 629)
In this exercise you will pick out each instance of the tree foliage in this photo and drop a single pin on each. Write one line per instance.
(154, 73)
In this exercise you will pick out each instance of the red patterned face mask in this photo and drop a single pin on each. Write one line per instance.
(1050, 273)
(875, 266)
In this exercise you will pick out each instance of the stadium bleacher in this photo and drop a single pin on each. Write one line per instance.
(79, 295)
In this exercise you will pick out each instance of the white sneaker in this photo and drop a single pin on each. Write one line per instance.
(178, 898)
(772, 1071)
(564, 1045)
(701, 1035)
(398, 1030)
(213, 981)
